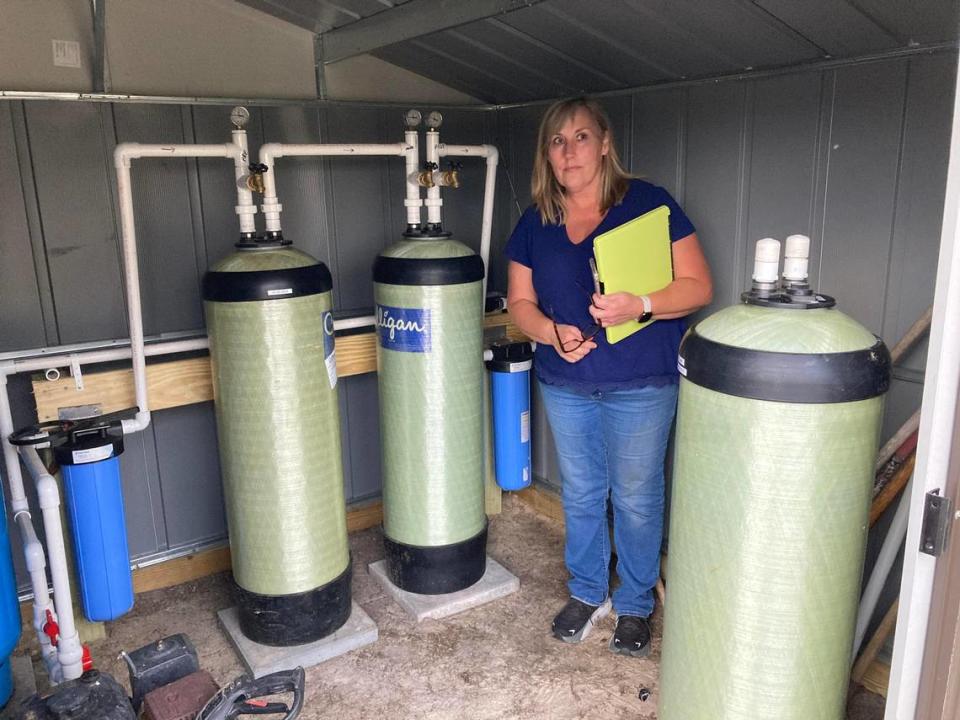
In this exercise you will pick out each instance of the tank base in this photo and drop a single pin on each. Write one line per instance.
(297, 619)
(438, 569)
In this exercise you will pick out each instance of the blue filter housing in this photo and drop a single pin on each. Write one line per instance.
(510, 385)
(91, 479)
(9, 609)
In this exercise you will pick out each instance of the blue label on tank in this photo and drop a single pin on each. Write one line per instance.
(328, 340)
(403, 329)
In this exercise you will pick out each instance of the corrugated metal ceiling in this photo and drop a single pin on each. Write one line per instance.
(504, 51)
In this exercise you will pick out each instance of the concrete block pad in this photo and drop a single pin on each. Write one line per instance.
(260, 660)
(496, 582)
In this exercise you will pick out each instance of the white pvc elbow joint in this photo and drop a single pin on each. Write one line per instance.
(33, 553)
(48, 493)
(136, 424)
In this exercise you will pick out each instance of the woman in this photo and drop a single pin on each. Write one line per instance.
(610, 407)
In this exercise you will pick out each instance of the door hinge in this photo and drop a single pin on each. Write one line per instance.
(937, 517)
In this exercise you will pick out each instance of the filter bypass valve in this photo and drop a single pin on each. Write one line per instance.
(254, 181)
(425, 178)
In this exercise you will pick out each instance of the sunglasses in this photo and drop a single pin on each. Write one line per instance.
(586, 334)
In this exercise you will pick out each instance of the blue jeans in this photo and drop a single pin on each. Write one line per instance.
(612, 444)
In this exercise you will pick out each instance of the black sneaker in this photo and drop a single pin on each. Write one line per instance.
(632, 636)
(574, 622)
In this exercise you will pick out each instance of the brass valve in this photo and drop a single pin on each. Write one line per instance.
(255, 178)
(425, 176)
(450, 179)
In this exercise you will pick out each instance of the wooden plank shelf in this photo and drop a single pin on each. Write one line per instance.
(175, 383)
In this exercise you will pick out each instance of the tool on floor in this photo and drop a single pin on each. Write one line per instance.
(167, 684)
(244, 697)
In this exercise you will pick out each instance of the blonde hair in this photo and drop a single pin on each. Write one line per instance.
(547, 193)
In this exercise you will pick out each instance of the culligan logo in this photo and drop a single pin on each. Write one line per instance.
(403, 329)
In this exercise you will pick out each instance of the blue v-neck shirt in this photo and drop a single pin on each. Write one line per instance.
(563, 283)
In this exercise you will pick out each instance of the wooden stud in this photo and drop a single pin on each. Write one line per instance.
(892, 488)
(880, 636)
(175, 383)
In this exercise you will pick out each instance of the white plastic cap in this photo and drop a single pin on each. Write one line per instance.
(766, 261)
(796, 258)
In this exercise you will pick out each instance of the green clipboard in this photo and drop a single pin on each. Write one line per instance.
(635, 257)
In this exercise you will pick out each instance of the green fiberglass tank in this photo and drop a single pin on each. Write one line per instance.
(781, 401)
(274, 380)
(430, 372)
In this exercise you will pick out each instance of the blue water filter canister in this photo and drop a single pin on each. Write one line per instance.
(9, 609)
(91, 478)
(510, 385)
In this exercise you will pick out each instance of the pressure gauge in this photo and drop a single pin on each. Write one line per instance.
(239, 116)
(434, 120)
(412, 119)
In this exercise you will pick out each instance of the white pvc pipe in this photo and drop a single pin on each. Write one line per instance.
(69, 650)
(37, 567)
(122, 156)
(492, 155)
(413, 201)
(33, 551)
(246, 209)
(269, 152)
(881, 568)
(355, 322)
(433, 201)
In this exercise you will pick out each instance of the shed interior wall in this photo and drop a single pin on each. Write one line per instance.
(854, 155)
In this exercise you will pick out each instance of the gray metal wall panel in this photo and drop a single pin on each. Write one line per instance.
(360, 204)
(165, 241)
(620, 111)
(919, 208)
(142, 493)
(190, 471)
(34, 223)
(657, 138)
(21, 315)
(361, 436)
(300, 180)
(507, 208)
(864, 143)
(71, 162)
(714, 149)
(523, 126)
(786, 113)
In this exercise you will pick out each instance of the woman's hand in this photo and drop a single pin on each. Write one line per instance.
(615, 308)
(570, 337)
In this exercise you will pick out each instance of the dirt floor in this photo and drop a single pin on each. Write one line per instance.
(496, 661)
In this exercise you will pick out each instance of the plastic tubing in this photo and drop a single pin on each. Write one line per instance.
(881, 569)
(69, 651)
(269, 152)
(492, 155)
(124, 153)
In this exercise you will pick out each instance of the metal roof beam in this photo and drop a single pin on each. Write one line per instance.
(408, 21)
